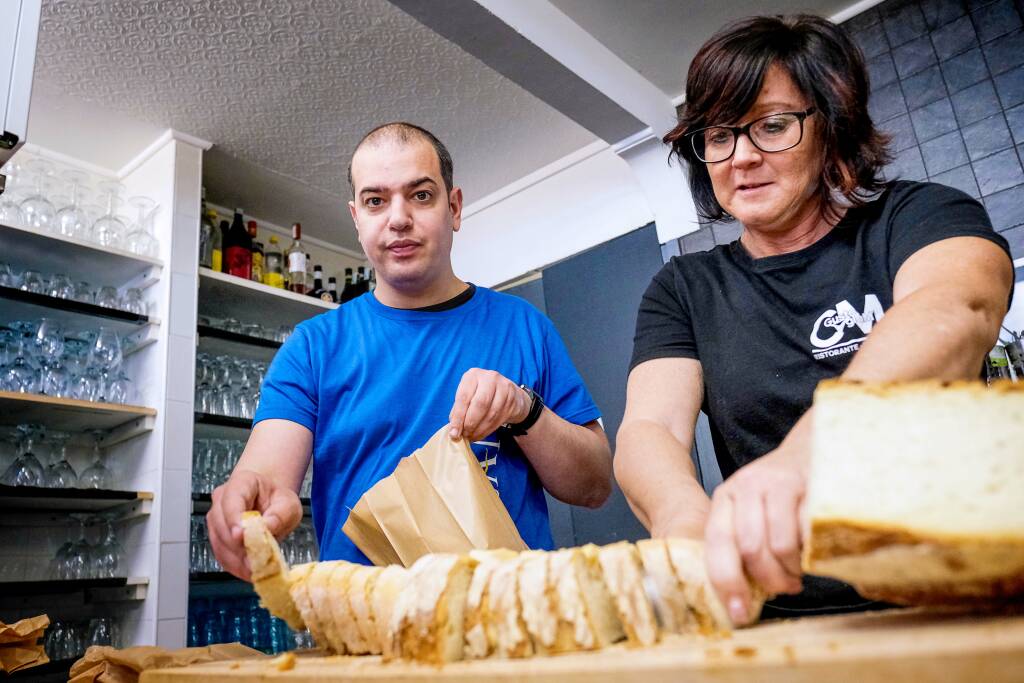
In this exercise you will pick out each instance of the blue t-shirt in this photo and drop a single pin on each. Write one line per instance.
(374, 383)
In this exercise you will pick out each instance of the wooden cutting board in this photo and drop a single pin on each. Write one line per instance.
(890, 646)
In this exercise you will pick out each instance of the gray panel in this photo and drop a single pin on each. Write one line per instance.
(532, 291)
(499, 46)
(593, 299)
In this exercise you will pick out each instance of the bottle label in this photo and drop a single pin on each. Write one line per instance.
(274, 280)
(297, 262)
(239, 262)
(326, 296)
(218, 260)
(257, 266)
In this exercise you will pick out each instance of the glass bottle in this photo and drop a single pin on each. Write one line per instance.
(257, 254)
(273, 265)
(349, 292)
(332, 289)
(219, 262)
(318, 282)
(238, 248)
(206, 233)
(297, 262)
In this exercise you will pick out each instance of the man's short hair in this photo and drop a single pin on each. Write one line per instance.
(404, 133)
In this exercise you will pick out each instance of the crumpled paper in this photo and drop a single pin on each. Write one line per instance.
(110, 665)
(19, 644)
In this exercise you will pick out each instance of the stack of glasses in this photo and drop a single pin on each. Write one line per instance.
(299, 547)
(60, 286)
(240, 620)
(72, 203)
(69, 639)
(228, 386)
(279, 334)
(40, 458)
(40, 357)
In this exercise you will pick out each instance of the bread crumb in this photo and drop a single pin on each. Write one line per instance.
(235, 665)
(284, 662)
(744, 651)
(789, 653)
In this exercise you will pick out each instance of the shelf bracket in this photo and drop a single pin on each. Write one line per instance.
(133, 591)
(128, 430)
(143, 280)
(140, 339)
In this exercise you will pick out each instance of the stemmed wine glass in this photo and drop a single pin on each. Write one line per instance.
(48, 343)
(109, 230)
(141, 240)
(72, 220)
(19, 374)
(108, 553)
(26, 470)
(36, 210)
(10, 200)
(60, 474)
(96, 476)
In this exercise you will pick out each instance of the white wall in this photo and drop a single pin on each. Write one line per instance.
(593, 197)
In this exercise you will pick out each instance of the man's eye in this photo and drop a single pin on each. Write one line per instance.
(422, 195)
(374, 201)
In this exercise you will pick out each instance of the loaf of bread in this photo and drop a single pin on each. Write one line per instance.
(269, 570)
(494, 603)
(916, 490)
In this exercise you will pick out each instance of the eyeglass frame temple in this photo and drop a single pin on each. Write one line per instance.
(745, 130)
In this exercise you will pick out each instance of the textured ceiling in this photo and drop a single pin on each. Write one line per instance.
(658, 38)
(290, 85)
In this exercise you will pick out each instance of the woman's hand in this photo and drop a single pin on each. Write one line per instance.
(754, 528)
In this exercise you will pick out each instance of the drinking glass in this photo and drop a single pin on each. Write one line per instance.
(26, 470)
(96, 476)
(60, 474)
(72, 219)
(109, 230)
(37, 211)
(84, 293)
(108, 554)
(61, 287)
(33, 281)
(117, 387)
(10, 200)
(105, 353)
(100, 632)
(133, 302)
(19, 374)
(141, 240)
(8, 276)
(107, 297)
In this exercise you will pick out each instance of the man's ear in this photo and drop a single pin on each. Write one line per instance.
(352, 212)
(455, 206)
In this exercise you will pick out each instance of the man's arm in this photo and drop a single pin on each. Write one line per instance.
(267, 478)
(573, 462)
(652, 455)
(949, 300)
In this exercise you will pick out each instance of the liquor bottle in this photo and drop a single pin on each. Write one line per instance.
(371, 280)
(273, 265)
(332, 289)
(219, 262)
(349, 291)
(238, 249)
(362, 283)
(318, 283)
(309, 273)
(257, 254)
(297, 262)
(206, 233)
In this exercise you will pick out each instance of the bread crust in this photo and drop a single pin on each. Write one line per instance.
(904, 566)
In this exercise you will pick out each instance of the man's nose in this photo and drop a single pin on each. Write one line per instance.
(400, 215)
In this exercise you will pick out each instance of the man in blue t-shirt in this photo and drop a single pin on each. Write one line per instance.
(363, 386)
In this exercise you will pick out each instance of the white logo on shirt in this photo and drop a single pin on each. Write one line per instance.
(831, 327)
(489, 459)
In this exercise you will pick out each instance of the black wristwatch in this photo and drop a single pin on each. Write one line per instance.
(536, 408)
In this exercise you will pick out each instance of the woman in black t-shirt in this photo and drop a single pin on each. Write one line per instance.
(836, 273)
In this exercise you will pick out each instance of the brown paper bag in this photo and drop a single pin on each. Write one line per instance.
(437, 500)
(21, 630)
(109, 665)
(19, 644)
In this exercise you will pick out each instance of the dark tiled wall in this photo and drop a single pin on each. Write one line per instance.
(947, 79)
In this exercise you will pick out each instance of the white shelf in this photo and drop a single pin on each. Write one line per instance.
(225, 296)
(26, 249)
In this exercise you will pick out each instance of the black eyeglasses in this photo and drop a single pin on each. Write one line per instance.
(772, 133)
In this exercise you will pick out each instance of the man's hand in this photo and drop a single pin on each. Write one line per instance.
(247, 490)
(754, 527)
(483, 402)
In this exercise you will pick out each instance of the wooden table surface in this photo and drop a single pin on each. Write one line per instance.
(890, 646)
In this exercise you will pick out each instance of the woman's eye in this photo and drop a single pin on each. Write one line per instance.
(720, 137)
(774, 126)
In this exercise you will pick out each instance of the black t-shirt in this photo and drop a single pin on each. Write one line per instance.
(767, 330)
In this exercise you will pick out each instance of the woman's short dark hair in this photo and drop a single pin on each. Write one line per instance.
(725, 79)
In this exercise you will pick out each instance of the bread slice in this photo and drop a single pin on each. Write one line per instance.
(601, 610)
(479, 635)
(623, 574)
(668, 598)
(323, 596)
(359, 607)
(384, 594)
(504, 613)
(427, 623)
(298, 589)
(540, 611)
(915, 491)
(688, 562)
(573, 631)
(344, 620)
(269, 570)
